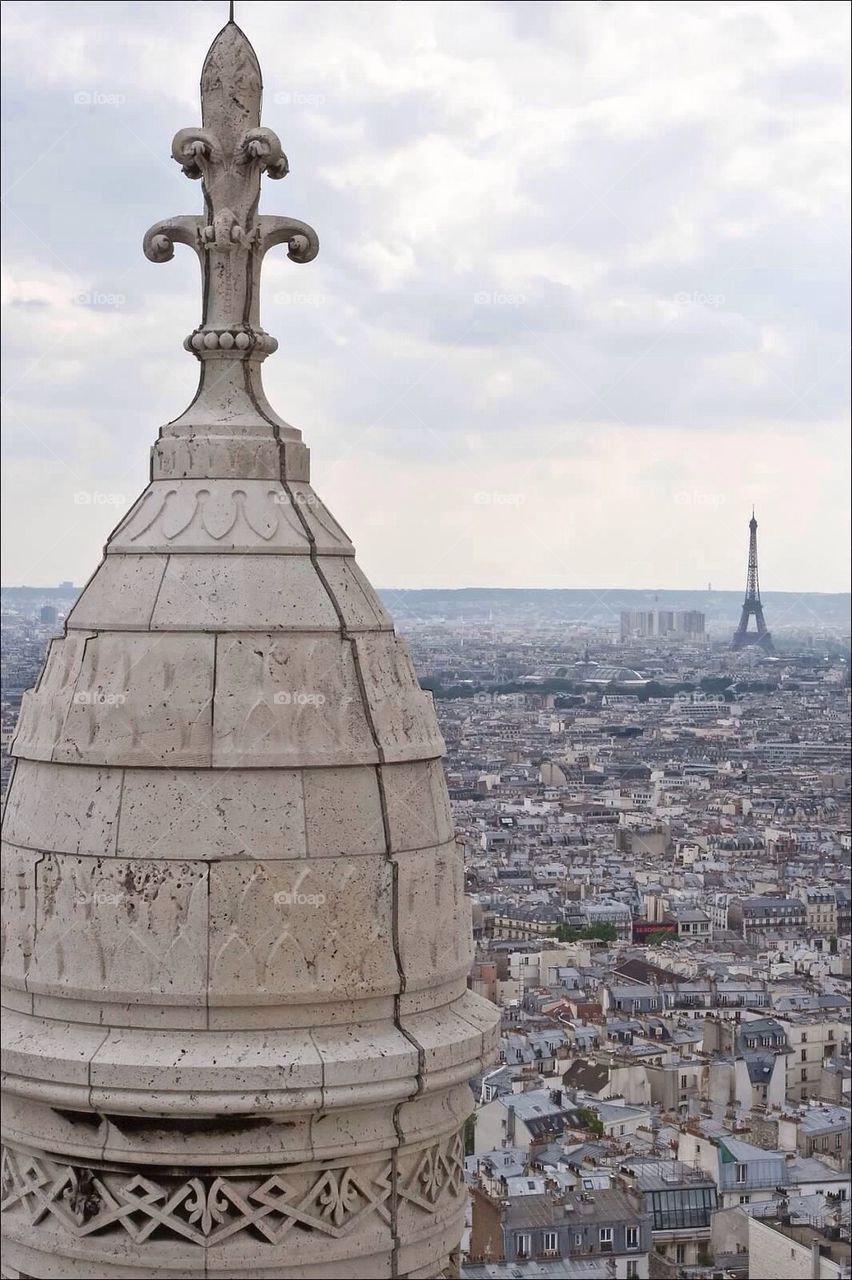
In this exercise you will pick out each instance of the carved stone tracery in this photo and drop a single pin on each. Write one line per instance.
(209, 1209)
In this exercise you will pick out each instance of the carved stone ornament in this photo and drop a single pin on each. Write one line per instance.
(229, 153)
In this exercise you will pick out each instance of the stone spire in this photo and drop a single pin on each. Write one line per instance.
(229, 153)
(238, 1033)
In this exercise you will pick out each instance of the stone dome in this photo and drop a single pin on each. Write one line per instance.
(238, 1033)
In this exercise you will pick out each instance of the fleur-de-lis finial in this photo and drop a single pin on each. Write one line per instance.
(229, 153)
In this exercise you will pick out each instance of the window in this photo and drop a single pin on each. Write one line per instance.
(523, 1245)
(551, 1242)
(745, 1199)
(742, 1173)
(804, 1037)
(684, 1081)
(632, 1271)
(838, 1140)
(681, 1253)
(804, 1073)
(804, 1055)
(831, 1034)
(631, 1237)
(578, 1239)
(605, 1239)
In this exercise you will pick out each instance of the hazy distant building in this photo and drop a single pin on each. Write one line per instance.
(636, 623)
(665, 621)
(643, 623)
(691, 623)
(48, 615)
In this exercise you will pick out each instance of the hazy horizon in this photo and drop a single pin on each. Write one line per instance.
(708, 592)
(579, 300)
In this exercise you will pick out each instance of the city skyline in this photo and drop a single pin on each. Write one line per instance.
(496, 393)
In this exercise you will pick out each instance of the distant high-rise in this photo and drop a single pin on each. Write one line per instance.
(637, 623)
(48, 615)
(752, 606)
(643, 623)
(691, 623)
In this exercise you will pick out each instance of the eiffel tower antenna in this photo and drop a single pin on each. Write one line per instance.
(752, 606)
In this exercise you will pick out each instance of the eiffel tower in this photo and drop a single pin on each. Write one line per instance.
(751, 604)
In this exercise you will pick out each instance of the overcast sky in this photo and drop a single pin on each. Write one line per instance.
(581, 295)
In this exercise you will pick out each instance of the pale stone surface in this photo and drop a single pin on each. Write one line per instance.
(242, 593)
(360, 607)
(288, 703)
(141, 699)
(236, 1024)
(325, 533)
(218, 813)
(343, 811)
(108, 930)
(43, 709)
(434, 923)
(404, 718)
(282, 932)
(418, 807)
(66, 808)
(121, 594)
(19, 871)
(357, 603)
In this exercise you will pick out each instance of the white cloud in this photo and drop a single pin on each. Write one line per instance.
(653, 197)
